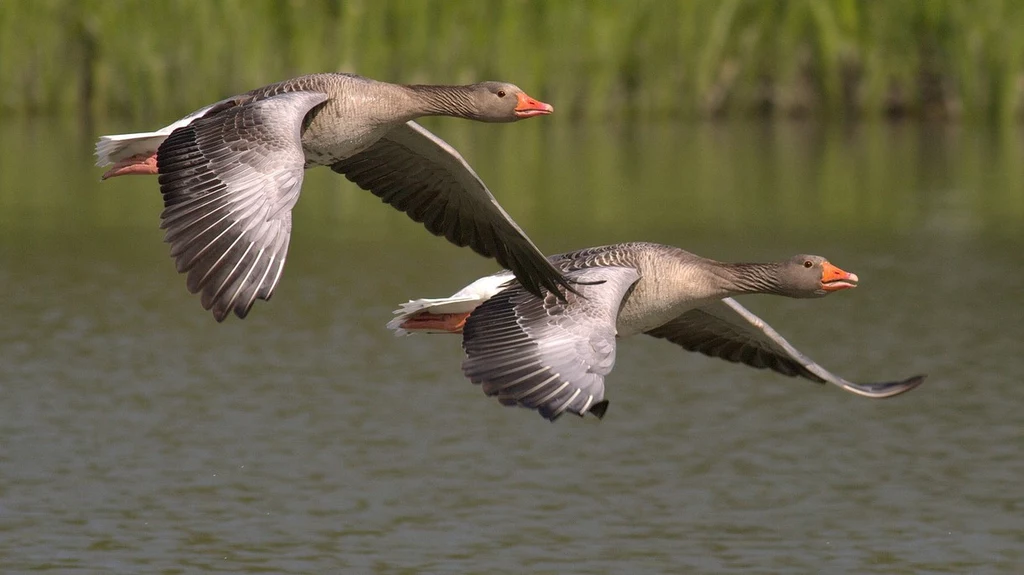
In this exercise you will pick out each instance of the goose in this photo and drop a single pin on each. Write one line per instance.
(553, 356)
(231, 172)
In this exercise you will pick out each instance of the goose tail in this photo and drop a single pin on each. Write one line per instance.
(446, 314)
(118, 147)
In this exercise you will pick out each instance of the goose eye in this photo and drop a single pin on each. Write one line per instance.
(808, 263)
(501, 93)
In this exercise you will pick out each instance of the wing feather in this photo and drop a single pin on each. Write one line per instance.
(419, 174)
(727, 330)
(229, 181)
(546, 354)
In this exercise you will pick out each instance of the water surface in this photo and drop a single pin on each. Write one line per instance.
(137, 435)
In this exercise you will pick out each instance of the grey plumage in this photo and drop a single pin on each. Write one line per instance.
(418, 173)
(553, 356)
(231, 174)
(543, 353)
(229, 183)
(729, 331)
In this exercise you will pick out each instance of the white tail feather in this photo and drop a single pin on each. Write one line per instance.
(117, 147)
(434, 306)
(465, 300)
(110, 149)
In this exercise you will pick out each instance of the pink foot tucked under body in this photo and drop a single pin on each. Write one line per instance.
(137, 165)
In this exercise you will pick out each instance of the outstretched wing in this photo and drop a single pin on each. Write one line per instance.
(545, 354)
(420, 174)
(730, 331)
(229, 183)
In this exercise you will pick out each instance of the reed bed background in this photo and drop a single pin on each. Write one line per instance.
(644, 59)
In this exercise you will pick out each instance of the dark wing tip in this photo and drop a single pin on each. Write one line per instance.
(539, 278)
(556, 287)
(570, 283)
(599, 408)
(242, 310)
(889, 389)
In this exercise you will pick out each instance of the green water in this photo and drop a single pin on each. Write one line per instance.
(137, 435)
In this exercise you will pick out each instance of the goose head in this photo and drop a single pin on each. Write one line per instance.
(807, 276)
(504, 102)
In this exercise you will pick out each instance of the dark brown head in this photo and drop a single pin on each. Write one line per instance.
(806, 276)
(503, 102)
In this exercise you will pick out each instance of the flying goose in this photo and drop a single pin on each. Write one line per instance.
(553, 356)
(231, 172)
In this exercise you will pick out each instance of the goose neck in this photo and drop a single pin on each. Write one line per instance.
(437, 100)
(750, 278)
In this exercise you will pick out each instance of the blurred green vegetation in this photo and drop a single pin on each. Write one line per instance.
(640, 59)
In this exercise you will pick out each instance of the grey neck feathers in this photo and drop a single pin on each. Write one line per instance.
(443, 100)
(746, 278)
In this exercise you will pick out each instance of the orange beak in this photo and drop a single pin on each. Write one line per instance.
(527, 107)
(835, 279)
